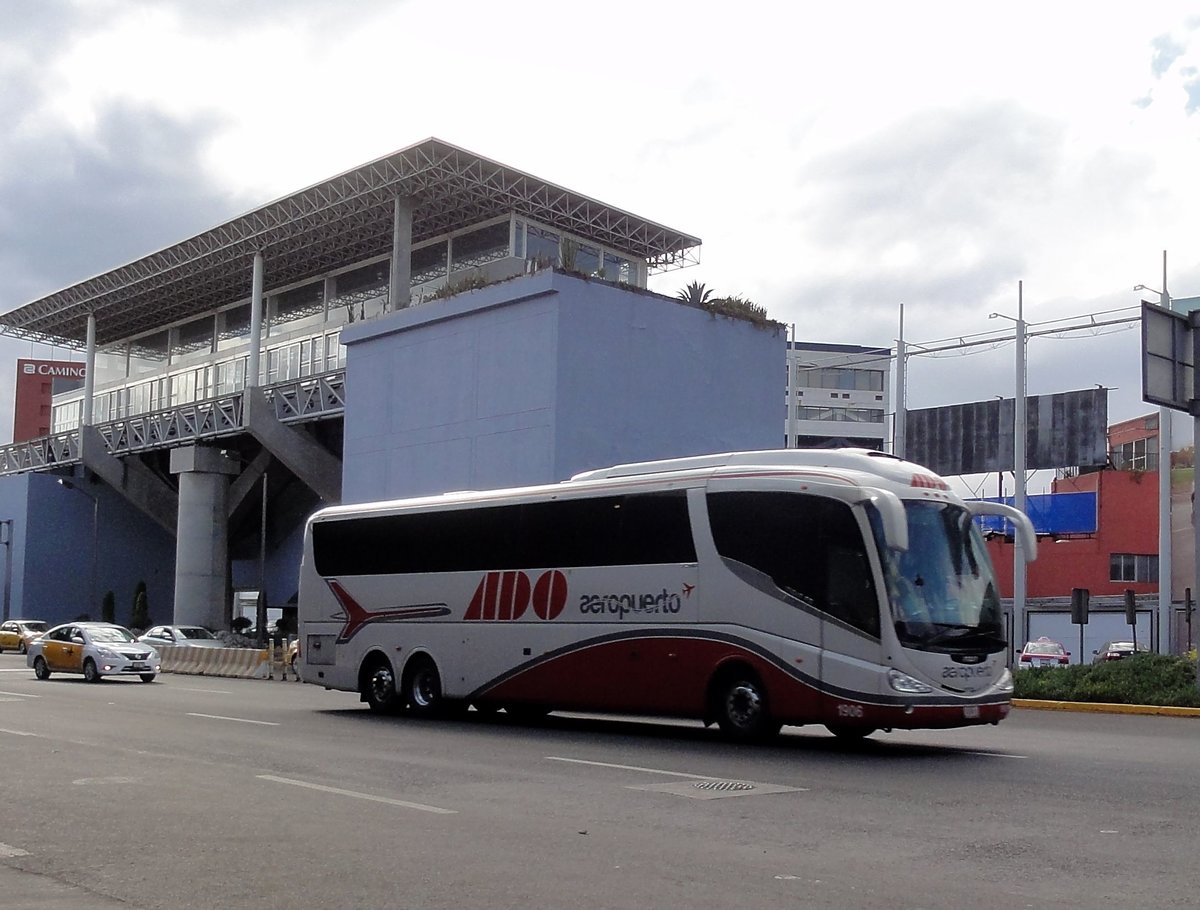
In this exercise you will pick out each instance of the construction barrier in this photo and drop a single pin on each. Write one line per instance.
(245, 663)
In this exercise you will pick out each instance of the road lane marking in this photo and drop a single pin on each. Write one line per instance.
(240, 720)
(213, 691)
(995, 754)
(18, 732)
(18, 670)
(20, 695)
(604, 764)
(367, 796)
(7, 852)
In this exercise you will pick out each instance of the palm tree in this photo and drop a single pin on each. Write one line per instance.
(694, 293)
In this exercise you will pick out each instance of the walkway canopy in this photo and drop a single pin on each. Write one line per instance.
(343, 220)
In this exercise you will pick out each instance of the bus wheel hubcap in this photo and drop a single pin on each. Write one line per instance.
(745, 704)
(382, 684)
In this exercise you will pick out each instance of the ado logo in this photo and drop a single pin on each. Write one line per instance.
(507, 595)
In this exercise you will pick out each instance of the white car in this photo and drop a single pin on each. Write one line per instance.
(181, 636)
(95, 649)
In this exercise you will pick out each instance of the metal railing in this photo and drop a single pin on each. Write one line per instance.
(294, 401)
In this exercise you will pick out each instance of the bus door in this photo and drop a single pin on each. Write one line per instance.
(851, 651)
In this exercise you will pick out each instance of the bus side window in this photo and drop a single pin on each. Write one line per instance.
(810, 546)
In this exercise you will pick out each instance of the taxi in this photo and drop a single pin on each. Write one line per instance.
(16, 634)
(95, 649)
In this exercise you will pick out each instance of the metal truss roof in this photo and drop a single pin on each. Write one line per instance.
(330, 225)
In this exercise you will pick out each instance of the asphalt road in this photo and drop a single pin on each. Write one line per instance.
(200, 792)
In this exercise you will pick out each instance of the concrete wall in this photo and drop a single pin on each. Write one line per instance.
(52, 553)
(539, 377)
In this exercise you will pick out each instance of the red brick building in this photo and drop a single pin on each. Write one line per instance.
(1123, 553)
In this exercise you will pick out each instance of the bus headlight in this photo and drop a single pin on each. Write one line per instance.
(902, 682)
(1005, 682)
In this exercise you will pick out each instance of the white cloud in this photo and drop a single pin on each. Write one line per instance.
(837, 160)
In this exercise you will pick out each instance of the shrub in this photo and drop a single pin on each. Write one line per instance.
(140, 617)
(1147, 679)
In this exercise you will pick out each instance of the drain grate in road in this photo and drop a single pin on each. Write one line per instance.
(706, 788)
(723, 785)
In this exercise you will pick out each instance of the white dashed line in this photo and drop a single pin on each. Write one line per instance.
(404, 804)
(20, 695)
(604, 764)
(240, 720)
(7, 852)
(17, 732)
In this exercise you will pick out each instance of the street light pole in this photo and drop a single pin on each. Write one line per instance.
(1019, 444)
(69, 485)
(1165, 554)
(6, 526)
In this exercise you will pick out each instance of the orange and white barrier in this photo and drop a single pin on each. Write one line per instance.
(246, 663)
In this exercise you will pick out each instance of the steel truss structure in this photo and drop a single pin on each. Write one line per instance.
(329, 225)
(298, 400)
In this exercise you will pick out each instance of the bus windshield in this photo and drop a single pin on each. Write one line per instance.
(942, 590)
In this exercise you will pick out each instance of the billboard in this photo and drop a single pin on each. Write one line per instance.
(1066, 429)
(38, 381)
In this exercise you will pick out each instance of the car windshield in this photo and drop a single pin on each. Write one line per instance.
(195, 632)
(942, 589)
(1120, 646)
(34, 626)
(110, 633)
(1044, 647)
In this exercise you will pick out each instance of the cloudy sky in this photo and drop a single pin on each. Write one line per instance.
(838, 160)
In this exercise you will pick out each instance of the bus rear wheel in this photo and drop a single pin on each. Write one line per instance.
(378, 686)
(741, 708)
(423, 687)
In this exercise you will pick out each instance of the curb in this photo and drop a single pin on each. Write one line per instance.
(1085, 707)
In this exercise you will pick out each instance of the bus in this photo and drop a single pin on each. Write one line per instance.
(842, 587)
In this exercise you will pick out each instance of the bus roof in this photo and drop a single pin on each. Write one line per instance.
(865, 461)
(858, 467)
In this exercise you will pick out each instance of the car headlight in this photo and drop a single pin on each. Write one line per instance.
(1005, 682)
(107, 653)
(902, 682)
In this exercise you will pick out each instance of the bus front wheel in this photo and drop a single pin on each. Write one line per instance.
(378, 686)
(741, 708)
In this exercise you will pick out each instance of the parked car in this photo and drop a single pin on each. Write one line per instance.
(95, 649)
(181, 636)
(1117, 650)
(16, 634)
(1045, 652)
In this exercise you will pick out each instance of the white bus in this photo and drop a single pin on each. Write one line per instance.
(752, 589)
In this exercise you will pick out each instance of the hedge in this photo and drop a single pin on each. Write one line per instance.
(1145, 679)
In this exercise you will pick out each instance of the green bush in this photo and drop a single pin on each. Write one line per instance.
(1147, 679)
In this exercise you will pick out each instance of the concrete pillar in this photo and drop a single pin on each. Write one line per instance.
(256, 323)
(89, 373)
(400, 283)
(202, 535)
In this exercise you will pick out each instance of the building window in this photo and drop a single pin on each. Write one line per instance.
(1132, 567)
(850, 415)
(1138, 455)
(841, 378)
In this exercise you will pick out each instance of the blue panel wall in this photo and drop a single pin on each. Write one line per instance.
(1051, 513)
(53, 551)
(642, 377)
(539, 377)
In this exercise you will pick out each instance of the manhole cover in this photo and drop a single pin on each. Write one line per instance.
(722, 785)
